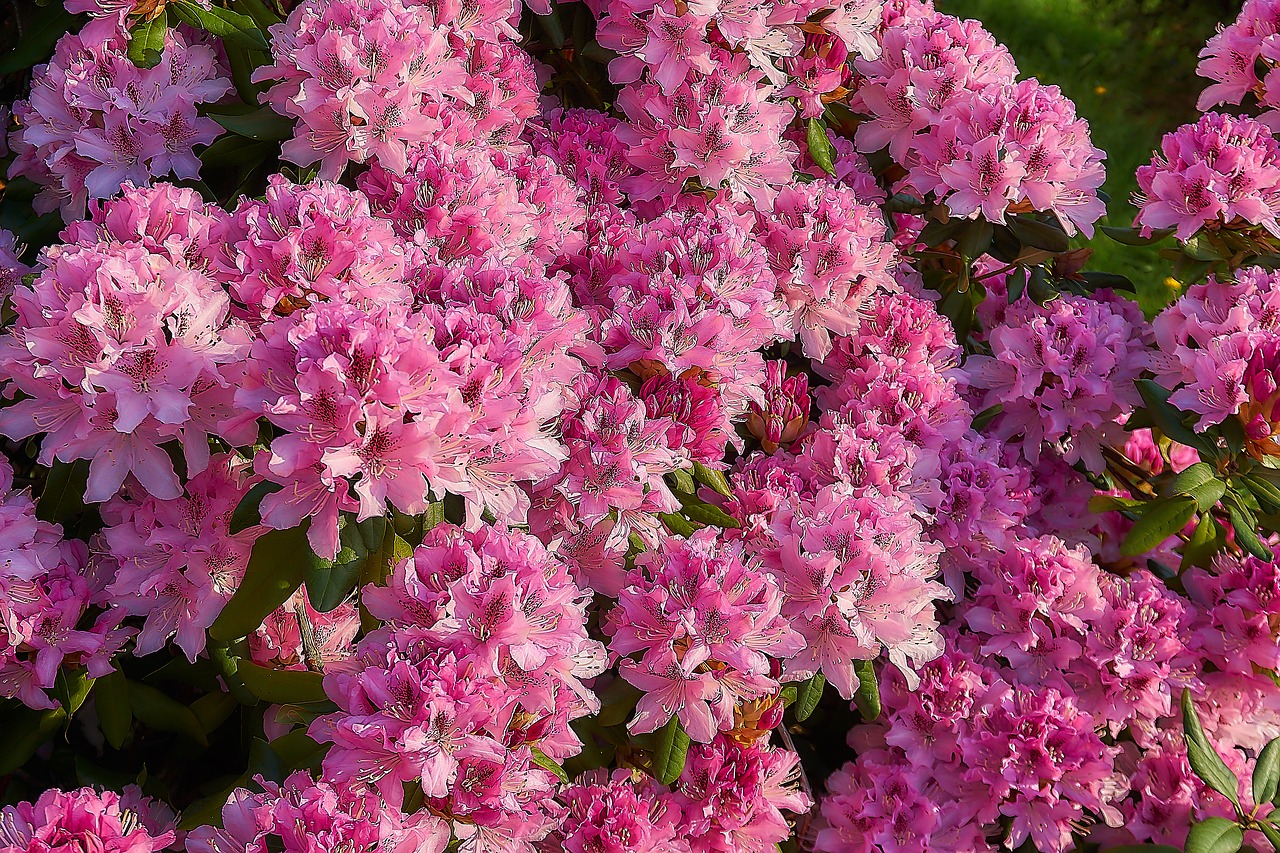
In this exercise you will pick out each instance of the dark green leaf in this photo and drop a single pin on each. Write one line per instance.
(1266, 773)
(73, 689)
(713, 478)
(274, 573)
(164, 713)
(1168, 419)
(1133, 236)
(670, 752)
(1245, 525)
(297, 751)
(1206, 540)
(1040, 286)
(36, 44)
(248, 513)
(63, 493)
(1017, 284)
(1202, 247)
(263, 124)
(987, 415)
(1163, 518)
(111, 699)
(146, 42)
(1039, 235)
(545, 761)
(261, 14)
(1270, 831)
(1096, 280)
(820, 146)
(330, 582)
(975, 238)
(867, 697)
(282, 686)
(1214, 835)
(23, 731)
(1205, 761)
(207, 811)
(552, 28)
(232, 27)
(1264, 490)
(808, 694)
(213, 709)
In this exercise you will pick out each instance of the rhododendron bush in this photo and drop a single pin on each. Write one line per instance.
(607, 426)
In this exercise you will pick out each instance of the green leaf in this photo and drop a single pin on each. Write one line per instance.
(975, 238)
(259, 11)
(232, 27)
(1168, 419)
(111, 699)
(36, 44)
(248, 513)
(274, 573)
(164, 713)
(207, 811)
(1040, 286)
(670, 752)
(867, 696)
(677, 524)
(330, 582)
(1264, 490)
(987, 415)
(1206, 540)
(1113, 503)
(1039, 235)
(73, 688)
(1096, 280)
(545, 761)
(146, 42)
(1204, 759)
(1201, 483)
(213, 709)
(297, 751)
(1162, 519)
(1270, 831)
(1133, 236)
(263, 124)
(1246, 527)
(23, 731)
(1266, 774)
(820, 148)
(713, 478)
(1214, 835)
(683, 481)
(617, 702)
(282, 686)
(710, 515)
(808, 694)
(63, 493)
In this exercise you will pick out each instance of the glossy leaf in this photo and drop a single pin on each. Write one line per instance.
(808, 694)
(111, 699)
(670, 751)
(820, 148)
(1162, 519)
(1204, 759)
(146, 42)
(248, 513)
(232, 27)
(1266, 773)
(164, 713)
(867, 696)
(713, 478)
(274, 572)
(282, 686)
(1214, 835)
(545, 761)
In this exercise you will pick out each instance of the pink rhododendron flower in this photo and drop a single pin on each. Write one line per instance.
(94, 120)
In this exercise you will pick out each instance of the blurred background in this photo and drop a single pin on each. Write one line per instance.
(1130, 67)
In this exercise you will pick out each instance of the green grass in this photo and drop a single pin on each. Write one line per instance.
(1134, 80)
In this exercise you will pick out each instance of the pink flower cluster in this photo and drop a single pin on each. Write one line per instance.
(47, 621)
(707, 625)
(480, 664)
(94, 120)
(1221, 171)
(1063, 373)
(1217, 351)
(303, 816)
(1241, 61)
(123, 343)
(68, 821)
(941, 97)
